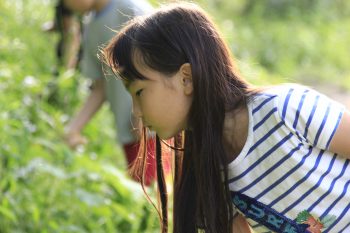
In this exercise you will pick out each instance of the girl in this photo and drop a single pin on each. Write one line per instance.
(275, 157)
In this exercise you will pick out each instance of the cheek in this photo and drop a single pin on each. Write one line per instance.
(181, 102)
(177, 111)
(155, 109)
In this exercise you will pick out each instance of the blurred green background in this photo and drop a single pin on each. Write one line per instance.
(46, 187)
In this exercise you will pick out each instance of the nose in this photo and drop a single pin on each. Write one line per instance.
(136, 110)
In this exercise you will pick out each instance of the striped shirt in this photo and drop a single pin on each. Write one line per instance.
(285, 174)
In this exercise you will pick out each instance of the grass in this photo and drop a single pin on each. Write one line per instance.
(45, 186)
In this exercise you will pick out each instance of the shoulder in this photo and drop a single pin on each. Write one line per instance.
(311, 115)
(282, 90)
(268, 97)
(296, 98)
(291, 96)
(292, 103)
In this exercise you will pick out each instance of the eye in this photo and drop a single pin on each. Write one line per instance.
(138, 93)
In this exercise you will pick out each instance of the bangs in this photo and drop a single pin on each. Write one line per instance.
(120, 55)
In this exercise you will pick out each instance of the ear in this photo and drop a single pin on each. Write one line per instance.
(186, 78)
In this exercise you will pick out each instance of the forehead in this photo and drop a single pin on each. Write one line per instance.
(151, 77)
(131, 68)
(140, 73)
(142, 70)
(138, 61)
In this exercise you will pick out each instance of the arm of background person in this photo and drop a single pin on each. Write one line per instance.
(92, 104)
(341, 140)
(72, 36)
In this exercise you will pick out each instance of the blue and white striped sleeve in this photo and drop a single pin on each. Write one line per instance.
(310, 115)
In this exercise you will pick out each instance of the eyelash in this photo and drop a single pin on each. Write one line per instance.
(138, 93)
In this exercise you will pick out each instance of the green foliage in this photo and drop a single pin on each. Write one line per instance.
(287, 40)
(303, 216)
(45, 186)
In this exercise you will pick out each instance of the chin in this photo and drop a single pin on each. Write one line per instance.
(166, 135)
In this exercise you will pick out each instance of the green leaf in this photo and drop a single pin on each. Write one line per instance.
(8, 214)
(303, 216)
(91, 199)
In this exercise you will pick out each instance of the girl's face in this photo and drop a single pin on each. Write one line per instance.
(161, 101)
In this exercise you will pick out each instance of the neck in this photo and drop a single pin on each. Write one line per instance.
(99, 5)
(235, 131)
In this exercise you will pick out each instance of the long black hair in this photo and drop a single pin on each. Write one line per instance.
(171, 36)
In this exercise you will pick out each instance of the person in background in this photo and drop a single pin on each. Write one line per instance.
(67, 24)
(103, 18)
(68, 50)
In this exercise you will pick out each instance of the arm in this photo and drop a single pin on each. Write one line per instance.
(91, 106)
(341, 140)
(71, 40)
(240, 225)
